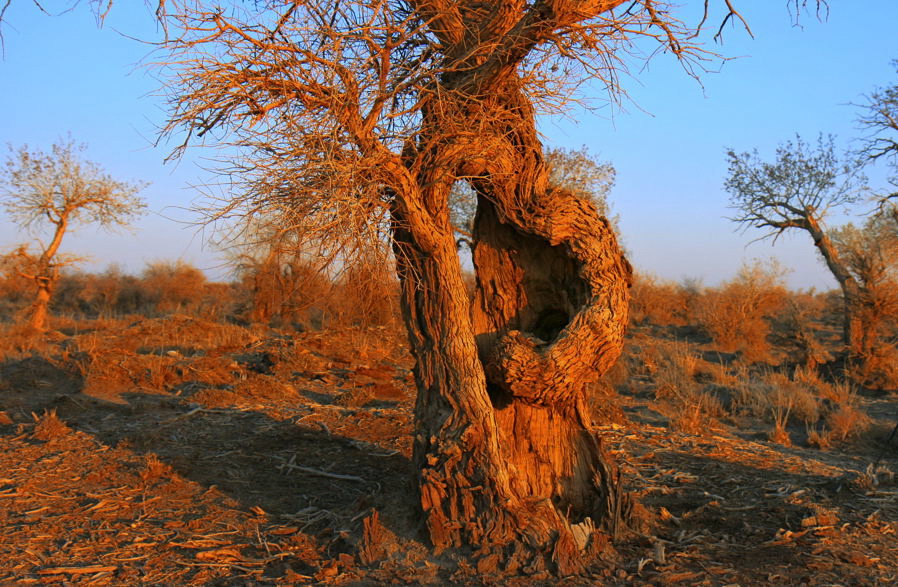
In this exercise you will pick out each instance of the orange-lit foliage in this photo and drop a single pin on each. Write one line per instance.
(659, 302)
(15, 289)
(282, 288)
(367, 294)
(871, 254)
(285, 288)
(173, 286)
(736, 314)
(795, 331)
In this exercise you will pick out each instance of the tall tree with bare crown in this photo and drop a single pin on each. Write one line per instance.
(357, 118)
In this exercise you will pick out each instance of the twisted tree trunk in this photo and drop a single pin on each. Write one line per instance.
(509, 465)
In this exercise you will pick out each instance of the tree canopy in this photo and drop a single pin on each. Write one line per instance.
(40, 188)
(801, 185)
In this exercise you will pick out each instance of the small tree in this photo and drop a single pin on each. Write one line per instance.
(57, 190)
(796, 191)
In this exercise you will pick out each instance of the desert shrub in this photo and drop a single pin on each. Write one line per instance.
(282, 288)
(776, 398)
(841, 412)
(819, 437)
(847, 422)
(67, 293)
(17, 341)
(879, 368)
(132, 298)
(658, 302)
(830, 411)
(217, 302)
(678, 368)
(367, 294)
(792, 397)
(101, 292)
(694, 413)
(173, 286)
(675, 369)
(794, 330)
(736, 314)
(49, 426)
(16, 292)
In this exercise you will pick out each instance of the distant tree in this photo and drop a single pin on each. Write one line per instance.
(58, 190)
(797, 191)
(581, 172)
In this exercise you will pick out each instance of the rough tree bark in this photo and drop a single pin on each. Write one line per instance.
(39, 312)
(508, 462)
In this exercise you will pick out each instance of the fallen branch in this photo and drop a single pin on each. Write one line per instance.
(320, 473)
(78, 570)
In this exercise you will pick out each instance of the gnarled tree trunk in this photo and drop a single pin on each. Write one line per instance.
(39, 312)
(509, 465)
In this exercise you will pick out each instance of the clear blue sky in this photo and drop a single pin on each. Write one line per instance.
(62, 75)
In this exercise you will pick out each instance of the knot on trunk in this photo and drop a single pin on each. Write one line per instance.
(519, 365)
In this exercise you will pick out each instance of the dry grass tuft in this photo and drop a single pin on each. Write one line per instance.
(155, 469)
(695, 414)
(48, 426)
(779, 434)
(847, 422)
(821, 438)
(676, 369)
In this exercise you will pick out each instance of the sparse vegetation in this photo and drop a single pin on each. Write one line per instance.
(737, 314)
(181, 402)
(164, 429)
(797, 191)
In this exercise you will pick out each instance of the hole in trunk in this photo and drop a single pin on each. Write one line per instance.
(549, 324)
